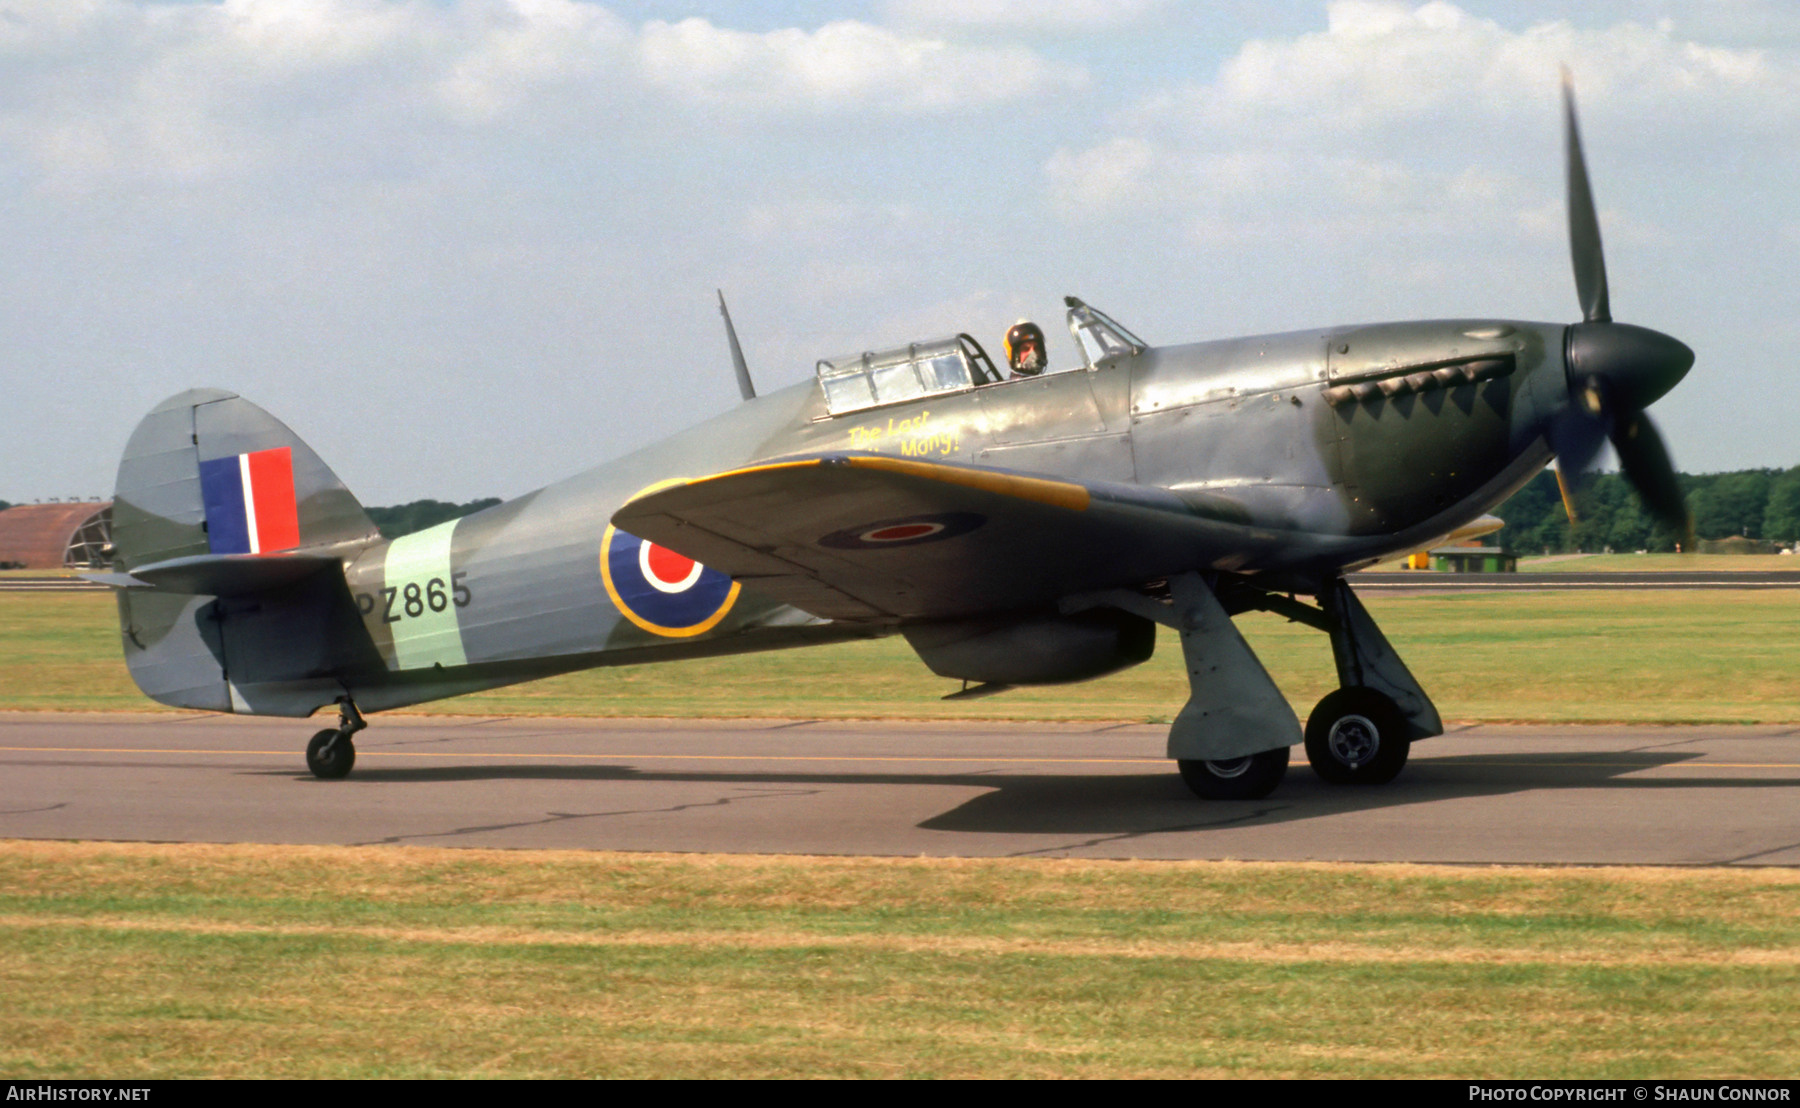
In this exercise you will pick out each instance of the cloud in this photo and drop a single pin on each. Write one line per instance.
(97, 90)
(184, 92)
(1429, 115)
(513, 49)
(845, 66)
(1380, 62)
(1053, 15)
(815, 221)
(1121, 173)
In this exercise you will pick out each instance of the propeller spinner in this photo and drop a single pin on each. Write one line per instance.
(1616, 370)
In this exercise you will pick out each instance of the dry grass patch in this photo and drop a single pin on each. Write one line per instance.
(302, 961)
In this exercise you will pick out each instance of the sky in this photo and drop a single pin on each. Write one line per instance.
(467, 248)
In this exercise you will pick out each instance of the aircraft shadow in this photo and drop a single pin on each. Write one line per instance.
(1131, 804)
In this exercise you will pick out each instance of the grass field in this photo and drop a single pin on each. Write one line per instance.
(141, 961)
(1600, 657)
(162, 961)
(1659, 563)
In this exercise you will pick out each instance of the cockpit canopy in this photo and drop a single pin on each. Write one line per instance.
(874, 378)
(1094, 330)
(908, 372)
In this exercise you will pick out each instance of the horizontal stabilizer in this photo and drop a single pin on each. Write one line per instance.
(219, 574)
(116, 580)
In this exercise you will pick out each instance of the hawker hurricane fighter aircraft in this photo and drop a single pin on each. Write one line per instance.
(1023, 531)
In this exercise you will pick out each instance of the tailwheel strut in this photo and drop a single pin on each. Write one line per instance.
(331, 752)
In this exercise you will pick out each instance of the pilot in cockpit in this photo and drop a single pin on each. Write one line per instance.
(1025, 350)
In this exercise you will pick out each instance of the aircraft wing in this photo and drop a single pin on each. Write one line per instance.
(856, 536)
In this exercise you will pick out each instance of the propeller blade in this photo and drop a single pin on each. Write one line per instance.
(1576, 439)
(1584, 224)
(1645, 462)
(1568, 495)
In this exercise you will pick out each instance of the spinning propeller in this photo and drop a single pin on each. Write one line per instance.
(1616, 370)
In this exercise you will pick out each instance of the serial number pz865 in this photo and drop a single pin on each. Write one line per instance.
(415, 598)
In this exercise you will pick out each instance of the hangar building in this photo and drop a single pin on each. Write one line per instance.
(56, 536)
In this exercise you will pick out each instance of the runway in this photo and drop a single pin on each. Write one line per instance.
(1484, 794)
(48, 584)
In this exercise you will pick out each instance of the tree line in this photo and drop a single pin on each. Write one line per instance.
(1749, 503)
(404, 519)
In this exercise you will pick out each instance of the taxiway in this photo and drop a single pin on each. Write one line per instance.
(1482, 794)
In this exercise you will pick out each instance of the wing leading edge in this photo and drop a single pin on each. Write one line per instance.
(861, 537)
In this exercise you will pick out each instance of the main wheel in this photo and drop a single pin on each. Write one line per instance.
(1248, 778)
(1357, 736)
(330, 754)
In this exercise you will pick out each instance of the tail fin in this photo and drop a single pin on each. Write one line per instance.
(224, 525)
(208, 472)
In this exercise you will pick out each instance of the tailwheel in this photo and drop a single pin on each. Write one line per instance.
(330, 754)
(1357, 736)
(1251, 777)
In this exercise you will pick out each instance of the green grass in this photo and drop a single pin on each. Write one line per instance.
(1598, 657)
(62, 653)
(183, 961)
(1658, 563)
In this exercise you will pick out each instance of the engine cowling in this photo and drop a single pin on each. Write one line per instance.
(1037, 648)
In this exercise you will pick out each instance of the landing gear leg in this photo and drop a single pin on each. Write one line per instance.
(1230, 740)
(1361, 734)
(330, 754)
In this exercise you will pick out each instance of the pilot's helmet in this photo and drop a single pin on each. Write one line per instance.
(1025, 348)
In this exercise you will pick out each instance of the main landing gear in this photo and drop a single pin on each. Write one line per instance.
(1362, 733)
(1357, 736)
(330, 754)
(1250, 777)
(1232, 737)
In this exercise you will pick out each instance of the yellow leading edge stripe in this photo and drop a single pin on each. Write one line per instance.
(1060, 494)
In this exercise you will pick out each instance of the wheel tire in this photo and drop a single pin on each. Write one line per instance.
(333, 764)
(1249, 778)
(1357, 736)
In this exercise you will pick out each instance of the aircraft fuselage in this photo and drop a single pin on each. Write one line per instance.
(1247, 432)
